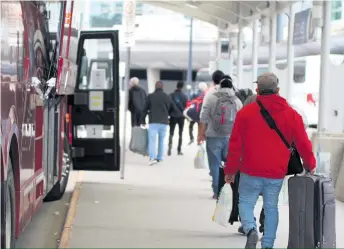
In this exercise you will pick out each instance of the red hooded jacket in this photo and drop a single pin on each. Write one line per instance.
(197, 100)
(257, 150)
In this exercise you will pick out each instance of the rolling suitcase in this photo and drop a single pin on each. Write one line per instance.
(312, 212)
(139, 141)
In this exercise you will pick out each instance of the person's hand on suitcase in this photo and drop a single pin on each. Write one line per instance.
(312, 172)
(229, 178)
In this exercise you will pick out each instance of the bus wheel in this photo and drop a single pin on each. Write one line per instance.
(8, 209)
(59, 189)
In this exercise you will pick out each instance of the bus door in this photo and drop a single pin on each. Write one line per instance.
(95, 104)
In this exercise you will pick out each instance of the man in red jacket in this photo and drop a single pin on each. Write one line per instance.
(262, 158)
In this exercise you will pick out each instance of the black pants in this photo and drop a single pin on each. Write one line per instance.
(221, 184)
(191, 125)
(136, 118)
(173, 123)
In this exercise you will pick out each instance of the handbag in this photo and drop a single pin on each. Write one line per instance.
(295, 165)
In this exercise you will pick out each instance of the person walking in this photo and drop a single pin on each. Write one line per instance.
(203, 87)
(215, 126)
(136, 101)
(158, 107)
(216, 77)
(177, 117)
(262, 158)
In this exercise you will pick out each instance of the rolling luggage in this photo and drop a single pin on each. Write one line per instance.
(312, 207)
(139, 141)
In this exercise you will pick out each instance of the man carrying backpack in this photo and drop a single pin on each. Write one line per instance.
(246, 96)
(177, 117)
(216, 121)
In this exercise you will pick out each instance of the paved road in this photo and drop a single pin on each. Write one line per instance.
(45, 228)
(166, 205)
(44, 231)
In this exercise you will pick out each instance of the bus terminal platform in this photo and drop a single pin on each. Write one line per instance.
(167, 205)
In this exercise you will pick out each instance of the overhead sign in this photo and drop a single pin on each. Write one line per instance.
(129, 14)
(303, 27)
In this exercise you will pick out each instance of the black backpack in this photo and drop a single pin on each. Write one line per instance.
(243, 94)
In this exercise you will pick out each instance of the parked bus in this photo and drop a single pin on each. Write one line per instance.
(38, 71)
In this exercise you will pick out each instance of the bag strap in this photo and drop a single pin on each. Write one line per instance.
(272, 124)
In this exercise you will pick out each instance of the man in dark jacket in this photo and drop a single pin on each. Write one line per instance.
(177, 117)
(159, 107)
(137, 98)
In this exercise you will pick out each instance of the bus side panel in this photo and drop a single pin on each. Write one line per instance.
(62, 134)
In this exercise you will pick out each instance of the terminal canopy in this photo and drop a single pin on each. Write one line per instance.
(224, 14)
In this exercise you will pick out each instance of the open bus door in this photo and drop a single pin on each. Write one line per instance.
(94, 108)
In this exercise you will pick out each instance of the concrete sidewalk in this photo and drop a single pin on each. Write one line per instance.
(166, 205)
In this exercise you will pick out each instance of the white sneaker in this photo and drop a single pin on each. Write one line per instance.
(152, 162)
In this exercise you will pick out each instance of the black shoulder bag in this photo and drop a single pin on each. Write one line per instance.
(295, 165)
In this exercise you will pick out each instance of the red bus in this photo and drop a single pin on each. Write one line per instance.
(35, 153)
(54, 114)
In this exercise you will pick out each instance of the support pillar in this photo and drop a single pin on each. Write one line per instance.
(85, 22)
(240, 55)
(324, 95)
(255, 47)
(189, 73)
(273, 36)
(290, 54)
(230, 65)
(126, 96)
(153, 75)
(226, 60)
(218, 49)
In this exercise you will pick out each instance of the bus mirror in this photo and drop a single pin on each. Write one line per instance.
(50, 83)
(37, 84)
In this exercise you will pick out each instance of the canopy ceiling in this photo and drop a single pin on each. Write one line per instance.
(224, 14)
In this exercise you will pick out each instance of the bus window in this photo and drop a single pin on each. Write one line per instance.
(95, 71)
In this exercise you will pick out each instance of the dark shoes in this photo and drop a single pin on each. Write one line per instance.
(191, 141)
(169, 153)
(252, 239)
(241, 230)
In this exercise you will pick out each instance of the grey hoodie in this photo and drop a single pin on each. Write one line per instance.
(208, 109)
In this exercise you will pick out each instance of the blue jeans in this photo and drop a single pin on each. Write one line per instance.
(249, 189)
(155, 130)
(217, 149)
